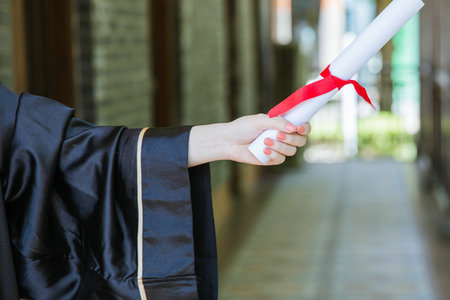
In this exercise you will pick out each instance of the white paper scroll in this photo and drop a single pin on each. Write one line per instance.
(348, 63)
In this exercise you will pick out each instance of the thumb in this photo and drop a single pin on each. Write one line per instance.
(281, 124)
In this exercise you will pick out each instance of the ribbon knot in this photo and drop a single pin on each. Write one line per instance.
(315, 89)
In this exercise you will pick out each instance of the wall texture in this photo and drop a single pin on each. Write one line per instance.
(247, 97)
(120, 62)
(6, 59)
(203, 59)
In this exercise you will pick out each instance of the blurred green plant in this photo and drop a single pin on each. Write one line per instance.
(385, 135)
(381, 135)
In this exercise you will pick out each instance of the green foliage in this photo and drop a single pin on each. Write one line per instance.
(329, 132)
(385, 135)
(382, 135)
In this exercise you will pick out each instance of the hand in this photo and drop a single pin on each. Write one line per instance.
(241, 132)
(230, 141)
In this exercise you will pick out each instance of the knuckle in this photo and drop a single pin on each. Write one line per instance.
(261, 115)
(262, 118)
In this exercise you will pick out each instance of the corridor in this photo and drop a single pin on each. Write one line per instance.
(357, 230)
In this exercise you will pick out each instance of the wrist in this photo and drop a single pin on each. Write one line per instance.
(207, 143)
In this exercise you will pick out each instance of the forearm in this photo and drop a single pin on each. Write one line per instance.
(207, 143)
(230, 141)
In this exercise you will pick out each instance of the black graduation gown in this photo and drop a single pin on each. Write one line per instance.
(92, 212)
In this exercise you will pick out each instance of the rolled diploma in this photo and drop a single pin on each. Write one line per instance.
(347, 64)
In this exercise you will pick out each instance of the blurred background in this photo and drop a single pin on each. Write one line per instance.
(361, 213)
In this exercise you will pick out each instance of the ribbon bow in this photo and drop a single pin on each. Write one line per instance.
(315, 89)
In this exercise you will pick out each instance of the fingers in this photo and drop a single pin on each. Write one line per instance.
(304, 129)
(280, 147)
(286, 143)
(277, 151)
(293, 139)
(289, 138)
(275, 157)
(285, 126)
(280, 124)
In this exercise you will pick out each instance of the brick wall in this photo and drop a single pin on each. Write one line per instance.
(121, 81)
(117, 61)
(246, 59)
(204, 68)
(247, 94)
(203, 61)
(6, 61)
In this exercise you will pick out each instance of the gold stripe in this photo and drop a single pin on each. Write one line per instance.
(140, 215)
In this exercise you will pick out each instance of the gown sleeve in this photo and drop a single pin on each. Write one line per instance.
(8, 107)
(105, 212)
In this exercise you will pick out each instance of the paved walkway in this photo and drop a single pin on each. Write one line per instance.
(338, 232)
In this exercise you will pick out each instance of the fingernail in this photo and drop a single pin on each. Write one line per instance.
(281, 136)
(268, 142)
(301, 129)
(267, 151)
(291, 127)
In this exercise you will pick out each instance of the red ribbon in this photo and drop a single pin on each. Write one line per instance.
(315, 89)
